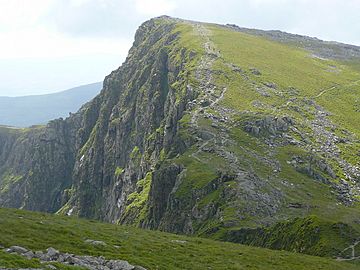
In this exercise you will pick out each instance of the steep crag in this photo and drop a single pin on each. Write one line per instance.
(206, 130)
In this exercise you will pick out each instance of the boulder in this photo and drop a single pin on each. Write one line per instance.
(52, 252)
(89, 262)
(255, 71)
(29, 254)
(74, 261)
(38, 254)
(95, 242)
(119, 265)
(137, 267)
(17, 249)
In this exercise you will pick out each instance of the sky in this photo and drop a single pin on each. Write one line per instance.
(52, 45)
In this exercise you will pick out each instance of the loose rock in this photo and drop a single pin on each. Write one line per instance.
(95, 242)
(89, 262)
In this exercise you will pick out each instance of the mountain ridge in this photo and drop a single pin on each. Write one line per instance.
(203, 131)
(331, 49)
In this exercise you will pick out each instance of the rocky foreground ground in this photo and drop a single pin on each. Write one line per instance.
(52, 255)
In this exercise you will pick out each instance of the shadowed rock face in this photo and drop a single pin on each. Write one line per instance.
(164, 147)
(37, 165)
(72, 162)
(137, 101)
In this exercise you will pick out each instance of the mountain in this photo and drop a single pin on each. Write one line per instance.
(26, 111)
(207, 130)
(63, 236)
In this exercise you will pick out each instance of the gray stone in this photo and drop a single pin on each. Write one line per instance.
(95, 242)
(18, 249)
(52, 252)
(39, 254)
(179, 241)
(137, 267)
(270, 85)
(74, 261)
(119, 265)
(255, 71)
(61, 258)
(89, 262)
(29, 254)
(102, 267)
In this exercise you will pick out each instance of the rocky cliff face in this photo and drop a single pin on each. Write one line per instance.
(36, 166)
(136, 124)
(203, 130)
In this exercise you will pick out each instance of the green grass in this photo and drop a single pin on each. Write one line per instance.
(17, 261)
(286, 66)
(137, 201)
(297, 75)
(151, 249)
(9, 179)
(309, 235)
(118, 171)
(196, 176)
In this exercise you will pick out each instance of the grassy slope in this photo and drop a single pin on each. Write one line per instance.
(289, 68)
(151, 249)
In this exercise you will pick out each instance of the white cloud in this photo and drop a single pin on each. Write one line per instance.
(154, 7)
(259, 3)
(21, 13)
(104, 29)
(41, 43)
(78, 3)
(24, 34)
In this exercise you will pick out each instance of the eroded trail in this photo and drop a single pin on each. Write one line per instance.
(352, 249)
(210, 95)
(218, 139)
(333, 87)
(203, 72)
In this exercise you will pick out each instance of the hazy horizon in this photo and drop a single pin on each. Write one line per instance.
(52, 45)
(71, 89)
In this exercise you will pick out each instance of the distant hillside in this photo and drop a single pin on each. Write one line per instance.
(39, 109)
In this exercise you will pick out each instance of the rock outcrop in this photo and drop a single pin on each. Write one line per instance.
(51, 255)
(37, 165)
